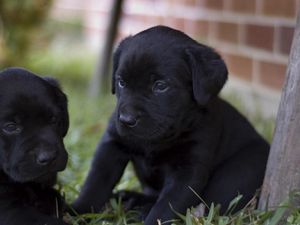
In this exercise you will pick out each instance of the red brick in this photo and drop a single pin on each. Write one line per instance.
(283, 8)
(240, 66)
(285, 39)
(176, 23)
(259, 36)
(174, 2)
(153, 20)
(272, 74)
(190, 2)
(241, 6)
(214, 4)
(182, 2)
(197, 28)
(134, 18)
(227, 32)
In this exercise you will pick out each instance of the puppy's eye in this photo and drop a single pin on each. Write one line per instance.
(160, 86)
(121, 83)
(11, 128)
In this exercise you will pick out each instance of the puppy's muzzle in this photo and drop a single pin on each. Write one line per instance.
(45, 158)
(128, 120)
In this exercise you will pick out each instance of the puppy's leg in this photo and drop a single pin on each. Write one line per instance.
(107, 168)
(176, 194)
(242, 174)
(136, 201)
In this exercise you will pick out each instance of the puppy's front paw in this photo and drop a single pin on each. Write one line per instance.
(136, 201)
(77, 208)
(130, 200)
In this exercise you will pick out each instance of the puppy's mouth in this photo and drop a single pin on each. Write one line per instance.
(28, 177)
(34, 174)
(23, 177)
(144, 131)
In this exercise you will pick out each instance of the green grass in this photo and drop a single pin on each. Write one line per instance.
(88, 119)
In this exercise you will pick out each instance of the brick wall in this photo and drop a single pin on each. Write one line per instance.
(253, 36)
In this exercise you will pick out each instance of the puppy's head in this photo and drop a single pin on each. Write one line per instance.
(33, 122)
(161, 76)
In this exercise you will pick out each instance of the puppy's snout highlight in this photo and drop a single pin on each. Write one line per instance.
(128, 120)
(44, 158)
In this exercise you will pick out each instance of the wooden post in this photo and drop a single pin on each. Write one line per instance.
(283, 169)
(100, 80)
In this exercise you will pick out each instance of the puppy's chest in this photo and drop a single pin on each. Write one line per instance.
(47, 201)
(154, 163)
(152, 169)
(149, 172)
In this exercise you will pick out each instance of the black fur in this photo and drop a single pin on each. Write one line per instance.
(33, 122)
(179, 135)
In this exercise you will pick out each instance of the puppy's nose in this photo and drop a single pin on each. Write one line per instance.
(45, 158)
(128, 120)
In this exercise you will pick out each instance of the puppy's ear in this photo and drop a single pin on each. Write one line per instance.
(116, 59)
(52, 81)
(62, 103)
(209, 72)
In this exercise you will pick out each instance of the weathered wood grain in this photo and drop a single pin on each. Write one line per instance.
(283, 169)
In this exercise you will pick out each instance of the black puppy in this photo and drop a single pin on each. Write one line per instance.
(33, 122)
(179, 135)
